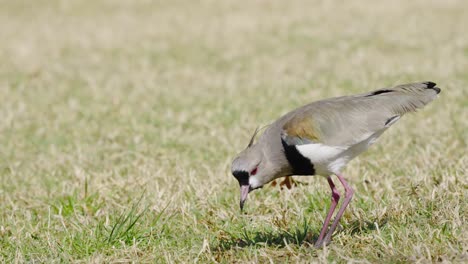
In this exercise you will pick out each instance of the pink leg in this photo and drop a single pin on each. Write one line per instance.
(348, 195)
(334, 201)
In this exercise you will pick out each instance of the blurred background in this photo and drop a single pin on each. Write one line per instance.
(101, 100)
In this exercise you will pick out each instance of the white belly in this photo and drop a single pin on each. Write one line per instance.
(329, 160)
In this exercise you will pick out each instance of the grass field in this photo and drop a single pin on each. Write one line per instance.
(120, 119)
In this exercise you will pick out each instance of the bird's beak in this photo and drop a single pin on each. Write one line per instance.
(244, 192)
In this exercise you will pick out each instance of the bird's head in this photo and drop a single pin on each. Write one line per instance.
(250, 170)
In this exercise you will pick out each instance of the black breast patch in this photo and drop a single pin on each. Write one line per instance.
(299, 164)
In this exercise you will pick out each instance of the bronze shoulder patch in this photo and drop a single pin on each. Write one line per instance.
(303, 128)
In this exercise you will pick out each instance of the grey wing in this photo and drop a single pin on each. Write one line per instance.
(345, 121)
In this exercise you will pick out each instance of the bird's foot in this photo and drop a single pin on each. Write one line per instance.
(321, 244)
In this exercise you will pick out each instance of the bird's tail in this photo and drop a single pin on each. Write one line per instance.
(421, 89)
(407, 97)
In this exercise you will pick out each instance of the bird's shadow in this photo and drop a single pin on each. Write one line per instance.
(281, 238)
(300, 236)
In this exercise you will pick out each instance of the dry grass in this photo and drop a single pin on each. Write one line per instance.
(119, 120)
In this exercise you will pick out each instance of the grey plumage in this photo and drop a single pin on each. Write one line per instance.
(327, 134)
(341, 121)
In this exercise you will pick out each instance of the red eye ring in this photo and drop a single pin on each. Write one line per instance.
(254, 171)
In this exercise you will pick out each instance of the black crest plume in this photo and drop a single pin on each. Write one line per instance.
(253, 137)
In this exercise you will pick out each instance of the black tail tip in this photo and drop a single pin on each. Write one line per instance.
(431, 85)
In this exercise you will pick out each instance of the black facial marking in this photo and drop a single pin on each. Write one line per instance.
(379, 92)
(242, 177)
(300, 164)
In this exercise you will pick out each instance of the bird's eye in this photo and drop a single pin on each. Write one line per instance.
(254, 171)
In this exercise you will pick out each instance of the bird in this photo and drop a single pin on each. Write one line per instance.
(322, 137)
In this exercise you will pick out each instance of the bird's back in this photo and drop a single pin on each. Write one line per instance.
(344, 126)
(342, 121)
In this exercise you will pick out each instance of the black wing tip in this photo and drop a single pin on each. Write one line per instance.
(381, 91)
(432, 85)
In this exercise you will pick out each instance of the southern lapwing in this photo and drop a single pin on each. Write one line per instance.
(322, 137)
